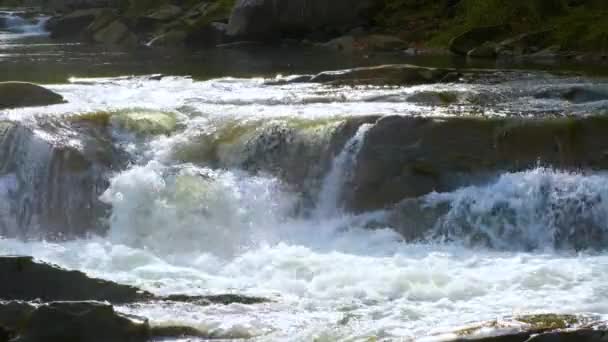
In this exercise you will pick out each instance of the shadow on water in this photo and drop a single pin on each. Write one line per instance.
(40, 59)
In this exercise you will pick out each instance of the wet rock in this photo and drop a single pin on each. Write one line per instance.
(264, 19)
(146, 122)
(115, 33)
(435, 98)
(523, 44)
(584, 95)
(21, 94)
(476, 37)
(13, 317)
(54, 179)
(578, 94)
(170, 39)
(222, 299)
(166, 12)
(414, 219)
(82, 321)
(169, 332)
(407, 157)
(26, 279)
(396, 74)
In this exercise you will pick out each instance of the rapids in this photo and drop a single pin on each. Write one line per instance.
(206, 209)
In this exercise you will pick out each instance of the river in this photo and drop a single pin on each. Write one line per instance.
(181, 223)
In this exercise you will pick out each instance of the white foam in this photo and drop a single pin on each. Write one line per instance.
(181, 228)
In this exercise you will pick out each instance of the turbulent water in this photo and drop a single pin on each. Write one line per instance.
(186, 215)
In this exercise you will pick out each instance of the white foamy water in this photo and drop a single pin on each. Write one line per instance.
(179, 227)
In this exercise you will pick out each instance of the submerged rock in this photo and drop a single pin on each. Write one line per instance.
(26, 279)
(395, 74)
(21, 94)
(146, 122)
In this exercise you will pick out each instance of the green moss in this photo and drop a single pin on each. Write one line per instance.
(549, 321)
(101, 119)
(579, 28)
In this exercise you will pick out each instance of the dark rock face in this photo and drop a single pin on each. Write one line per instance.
(70, 321)
(21, 94)
(26, 279)
(263, 19)
(407, 157)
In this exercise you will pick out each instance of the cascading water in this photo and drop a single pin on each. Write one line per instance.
(193, 212)
(330, 194)
(14, 22)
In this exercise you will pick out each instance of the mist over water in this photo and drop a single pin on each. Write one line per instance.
(187, 216)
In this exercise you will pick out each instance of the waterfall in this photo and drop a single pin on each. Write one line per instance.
(13, 22)
(330, 195)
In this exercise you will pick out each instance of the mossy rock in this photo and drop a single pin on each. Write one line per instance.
(146, 122)
(21, 94)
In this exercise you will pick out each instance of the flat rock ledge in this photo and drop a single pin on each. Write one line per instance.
(40, 302)
(399, 75)
(22, 94)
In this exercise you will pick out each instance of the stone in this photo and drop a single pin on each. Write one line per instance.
(165, 13)
(486, 50)
(23, 276)
(344, 44)
(534, 328)
(394, 74)
(208, 35)
(82, 321)
(21, 94)
(73, 24)
(522, 44)
(115, 33)
(267, 19)
(147, 122)
(408, 157)
(462, 44)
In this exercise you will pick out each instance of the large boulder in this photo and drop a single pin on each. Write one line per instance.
(407, 157)
(263, 19)
(72, 25)
(26, 279)
(70, 321)
(116, 33)
(21, 94)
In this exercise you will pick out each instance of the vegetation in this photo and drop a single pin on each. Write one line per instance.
(572, 24)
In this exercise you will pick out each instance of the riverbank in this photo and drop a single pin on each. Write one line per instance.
(543, 31)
